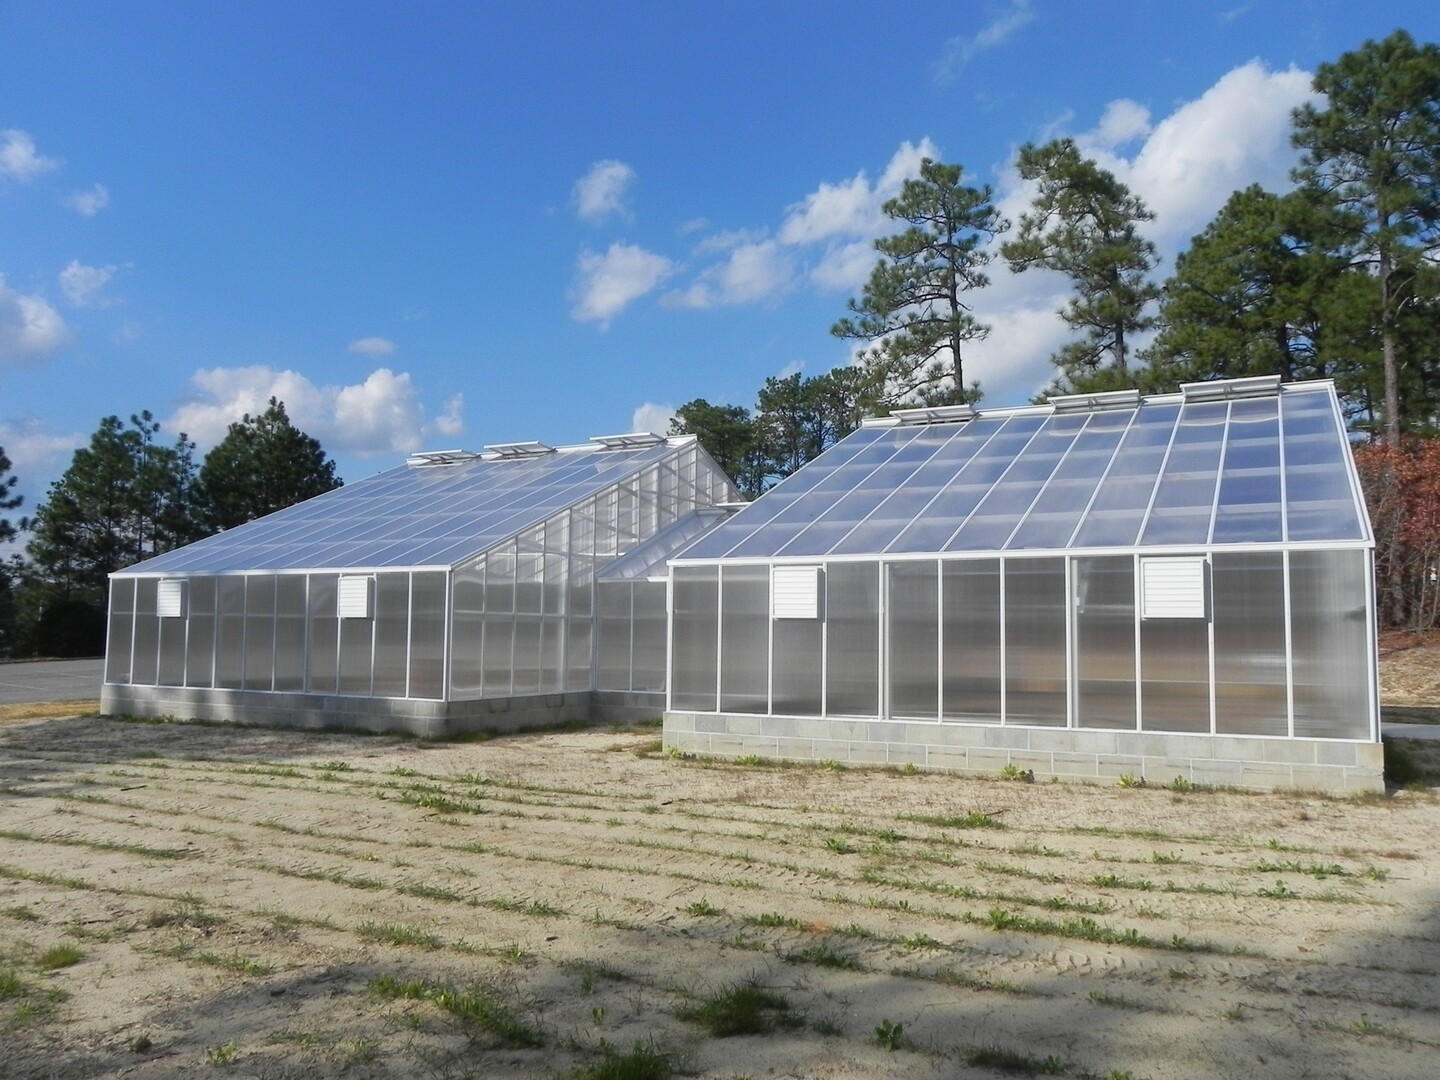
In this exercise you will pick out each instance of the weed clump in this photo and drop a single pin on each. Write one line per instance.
(744, 1008)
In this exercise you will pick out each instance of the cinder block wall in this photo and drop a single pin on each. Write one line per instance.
(422, 719)
(1089, 756)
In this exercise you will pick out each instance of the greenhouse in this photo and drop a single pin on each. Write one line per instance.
(461, 591)
(1104, 586)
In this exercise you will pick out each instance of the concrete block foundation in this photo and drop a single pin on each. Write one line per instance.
(1260, 763)
(405, 716)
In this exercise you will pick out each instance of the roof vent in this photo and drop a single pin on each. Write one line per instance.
(633, 440)
(440, 457)
(1225, 389)
(1109, 399)
(520, 449)
(937, 414)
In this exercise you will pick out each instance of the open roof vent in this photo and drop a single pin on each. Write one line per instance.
(441, 457)
(935, 414)
(633, 440)
(1108, 399)
(1225, 389)
(520, 449)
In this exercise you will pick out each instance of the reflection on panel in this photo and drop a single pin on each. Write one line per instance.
(1175, 675)
(122, 621)
(972, 640)
(1331, 642)
(796, 664)
(1035, 669)
(745, 639)
(1105, 642)
(852, 612)
(913, 604)
(1248, 593)
(696, 604)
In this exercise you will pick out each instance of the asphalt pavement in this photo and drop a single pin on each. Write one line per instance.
(24, 682)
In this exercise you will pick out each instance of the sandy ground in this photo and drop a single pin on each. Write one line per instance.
(179, 899)
(1410, 671)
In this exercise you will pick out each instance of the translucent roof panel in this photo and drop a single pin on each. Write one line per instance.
(1228, 463)
(417, 515)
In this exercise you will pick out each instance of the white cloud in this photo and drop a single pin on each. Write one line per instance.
(36, 454)
(89, 203)
(959, 51)
(851, 207)
(82, 284)
(753, 272)
(1235, 134)
(381, 415)
(450, 422)
(1123, 122)
(607, 284)
(31, 330)
(372, 346)
(652, 417)
(845, 267)
(601, 191)
(19, 160)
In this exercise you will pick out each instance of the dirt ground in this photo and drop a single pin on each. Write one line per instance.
(182, 899)
(1410, 670)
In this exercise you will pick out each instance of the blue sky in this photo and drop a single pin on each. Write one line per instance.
(434, 224)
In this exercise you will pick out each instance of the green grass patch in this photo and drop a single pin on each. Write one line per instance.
(743, 1008)
(479, 1009)
(59, 956)
(399, 934)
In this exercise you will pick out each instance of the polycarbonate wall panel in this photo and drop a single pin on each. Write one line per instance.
(913, 651)
(796, 666)
(290, 632)
(696, 611)
(1105, 642)
(467, 622)
(120, 640)
(1331, 643)
(200, 635)
(1248, 594)
(525, 676)
(322, 657)
(648, 664)
(357, 640)
(1175, 675)
(498, 653)
(259, 632)
(852, 639)
(427, 635)
(172, 649)
(392, 633)
(971, 635)
(745, 639)
(230, 614)
(613, 625)
(145, 658)
(1035, 642)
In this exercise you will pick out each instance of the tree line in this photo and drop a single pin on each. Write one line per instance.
(129, 495)
(1336, 278)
